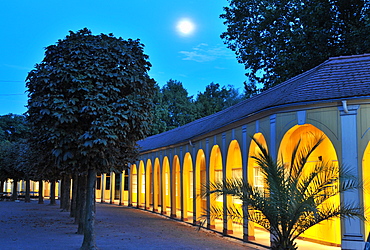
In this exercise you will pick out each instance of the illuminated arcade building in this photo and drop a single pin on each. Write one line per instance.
(332, 99)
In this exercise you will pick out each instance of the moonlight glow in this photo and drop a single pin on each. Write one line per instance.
(185, 27)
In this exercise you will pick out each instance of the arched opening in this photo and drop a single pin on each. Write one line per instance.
(255, 177)
(133, 182)
(149, 185)
(166, 191)
(141, 185)
(188, 188)
(234, 170)
(215, 175)
(200, 182)
(176, 184)
(156, 186)
(366, 178)
(327, 232)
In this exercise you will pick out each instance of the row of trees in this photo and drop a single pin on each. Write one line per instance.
(173, 107)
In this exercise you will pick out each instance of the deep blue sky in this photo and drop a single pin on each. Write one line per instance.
(27, 27)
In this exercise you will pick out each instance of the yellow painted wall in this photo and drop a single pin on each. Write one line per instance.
(327, 231)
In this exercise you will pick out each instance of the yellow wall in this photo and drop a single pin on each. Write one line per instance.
(327, 231)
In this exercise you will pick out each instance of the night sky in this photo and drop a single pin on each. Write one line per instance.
(193, 53)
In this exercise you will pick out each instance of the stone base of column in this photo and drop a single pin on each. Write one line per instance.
(226, 232)
(173, 215)
(353, 242)
(247, 238)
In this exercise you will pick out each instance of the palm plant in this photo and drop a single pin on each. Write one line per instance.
(295, 197)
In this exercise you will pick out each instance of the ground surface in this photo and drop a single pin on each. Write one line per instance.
(41, 226)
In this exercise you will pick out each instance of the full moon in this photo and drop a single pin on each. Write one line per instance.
(185, 27)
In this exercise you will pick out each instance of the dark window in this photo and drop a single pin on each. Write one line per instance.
(107, 181)
(98, 182)
(126, 180)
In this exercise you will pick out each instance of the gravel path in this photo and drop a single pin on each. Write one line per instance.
(41, 226)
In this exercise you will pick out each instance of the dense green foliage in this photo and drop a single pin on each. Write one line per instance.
(215, 99)
(90, 101)
(277, 40)
(179, 105)
(295, 197)
(13, 147)
(174, 107)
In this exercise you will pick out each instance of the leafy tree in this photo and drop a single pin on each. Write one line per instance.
(159, 113)
(294, 198)
(179, 105)
(215, 99)
(89, 102)
(277, 40)
(13, 127)
(13, 132)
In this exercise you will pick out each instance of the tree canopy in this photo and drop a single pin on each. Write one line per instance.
(90, 101)
(215, 99)
(174, 107)
(90, 98)
(277, 40)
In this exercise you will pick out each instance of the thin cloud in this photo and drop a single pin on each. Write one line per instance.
(205, 53)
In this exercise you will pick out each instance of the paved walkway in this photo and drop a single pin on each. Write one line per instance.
(41, 226)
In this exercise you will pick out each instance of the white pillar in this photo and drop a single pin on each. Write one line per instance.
(112, 187)
(352, 236)
(103, 184)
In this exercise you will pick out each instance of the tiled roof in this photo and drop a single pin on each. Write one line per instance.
(336, 78)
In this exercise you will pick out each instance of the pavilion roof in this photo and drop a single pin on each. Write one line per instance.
(338, 78)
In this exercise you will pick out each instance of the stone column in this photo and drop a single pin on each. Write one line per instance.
(352, 236)
(103, 184)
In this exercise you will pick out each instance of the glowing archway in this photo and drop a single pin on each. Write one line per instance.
(366, 178)
(255, 177)
(176, 187)
(156, 185)
(188, 186)
(148, 185)
(141, 185)
(327, 231)
(200, 182)
(166, 191)
(234, 170)
(215, 175)
(133, 182)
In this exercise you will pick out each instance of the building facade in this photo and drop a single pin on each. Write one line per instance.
(331, 100)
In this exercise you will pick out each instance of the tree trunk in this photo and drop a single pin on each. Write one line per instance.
(89, 232)
(74, 196)
(41, 192)
(66, 190)
(15, 190)
(81, 203)
(27, 197)
(2, 186)
(52, 193)
(61, 200)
